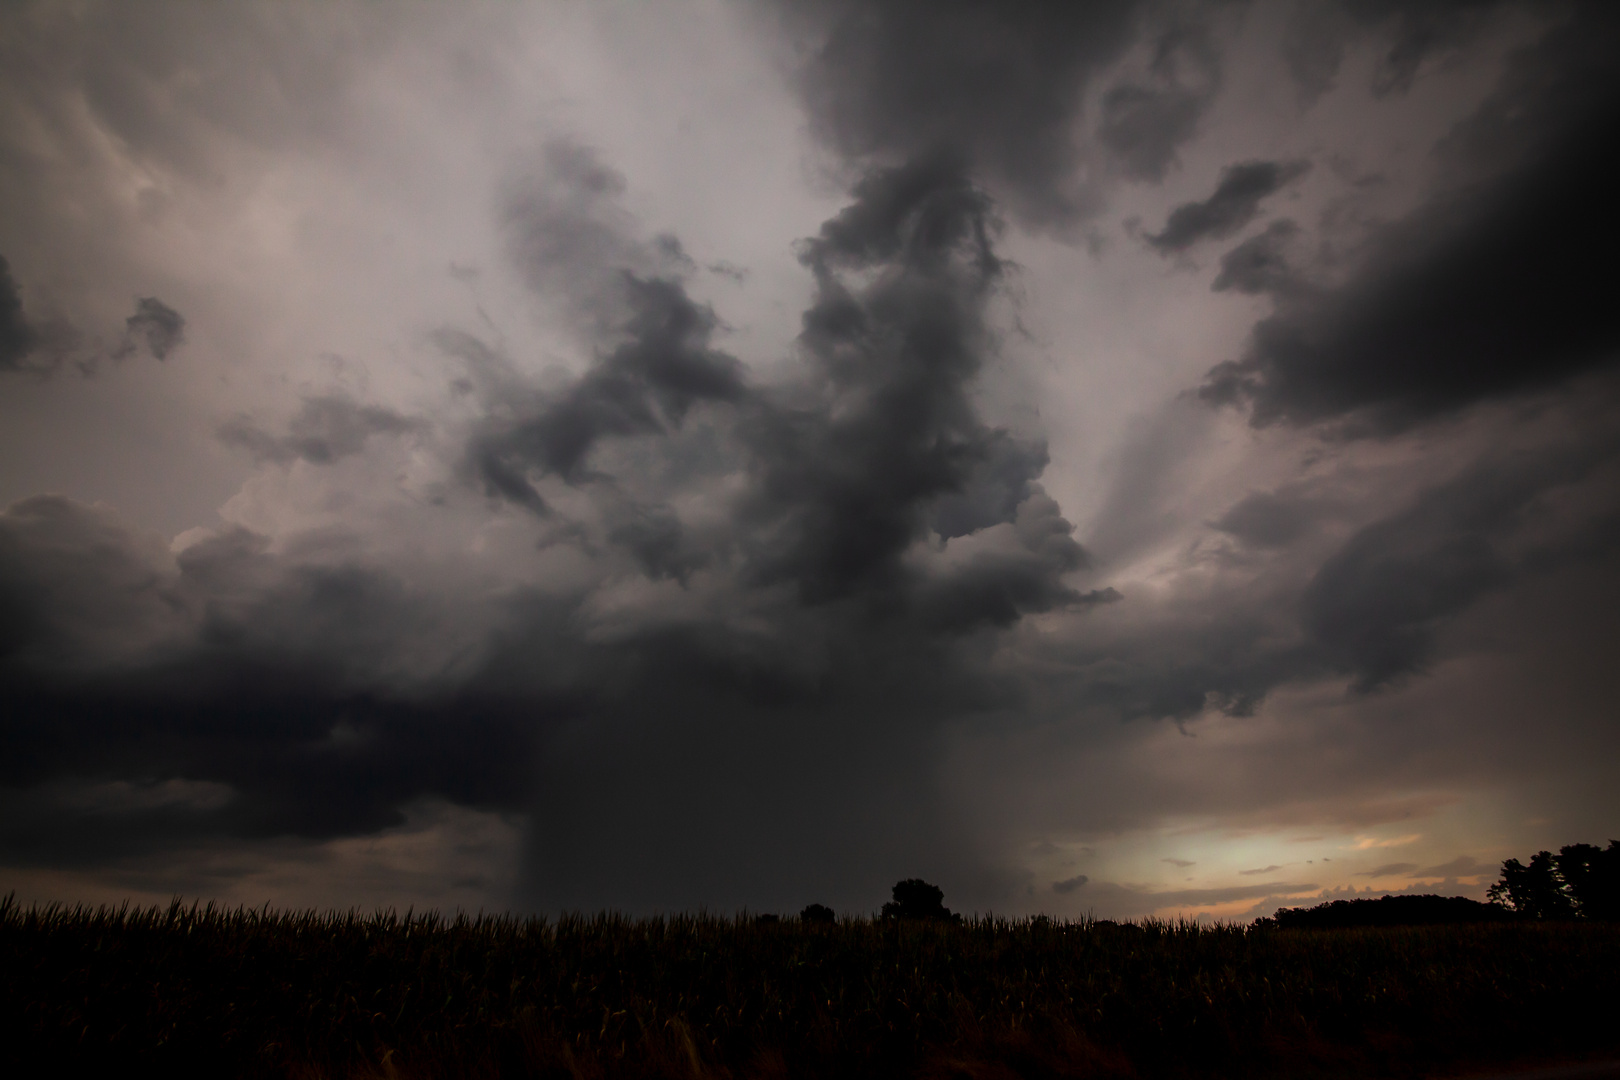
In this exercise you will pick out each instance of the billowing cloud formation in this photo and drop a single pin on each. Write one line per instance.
(1234, 203)
(1494, 288)
(1003, 87)
(804, 571)
(665, 587)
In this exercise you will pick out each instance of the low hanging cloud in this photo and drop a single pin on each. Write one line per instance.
(1234, 203)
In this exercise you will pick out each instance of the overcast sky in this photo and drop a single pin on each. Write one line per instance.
(1114, 458)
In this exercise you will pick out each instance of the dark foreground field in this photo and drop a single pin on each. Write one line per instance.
(191, 991)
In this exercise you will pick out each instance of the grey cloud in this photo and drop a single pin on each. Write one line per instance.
(1494, 288)
(325, 429)
(1069, 885)
(27, 345)
(1260, 263)
(1270, 519)
(1182, 863)
(1318, 33)
(1001, 86)
(571, 238)
(1260, 870)
(1375, 604)
(1461, 866)
(1389, 869)
(285, 680)
(155, 325)
(1234, 203)
(797, 704)
(659, 543)
(1144, 123)
(17, 337)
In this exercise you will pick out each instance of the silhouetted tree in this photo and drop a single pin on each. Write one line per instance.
(1582, 880)
(914, 898)
(818, 913)
(1591, 877)
(1535, 891)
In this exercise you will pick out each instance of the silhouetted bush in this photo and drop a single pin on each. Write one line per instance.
(818, 913)
(1581, 881)
(915, 898)
(1426, 910)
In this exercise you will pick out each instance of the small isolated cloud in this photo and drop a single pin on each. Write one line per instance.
(1259, 870)
(1389, 869)
(1068, 885)
(1183, 863)
(156, 325)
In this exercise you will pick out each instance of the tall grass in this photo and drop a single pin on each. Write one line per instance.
(265, 993)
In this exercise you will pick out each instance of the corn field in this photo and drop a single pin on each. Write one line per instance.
(202, 990)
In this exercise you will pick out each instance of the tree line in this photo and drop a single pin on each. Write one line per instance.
(1582, 881)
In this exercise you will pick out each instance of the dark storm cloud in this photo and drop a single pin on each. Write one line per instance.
(1318, 34)
(155, 325)
(1324, 584)
(1375, 604)
(1496, 288)
(853, 469)
(645, 386)
(1002, 86)
(1145, 122)
(1068, 885)
(1260, 263)
(17, 338)
(786, 734)
(1233, 204)
(26, 346)
(1269, 519)
(269, 683)
(569, 237)
(325, 429)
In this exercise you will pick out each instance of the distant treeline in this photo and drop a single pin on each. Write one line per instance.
(1427, 910)
(1581, 882)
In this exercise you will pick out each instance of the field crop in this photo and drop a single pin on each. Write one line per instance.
(194, 990)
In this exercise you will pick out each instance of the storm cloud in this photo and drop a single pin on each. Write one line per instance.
(17, 338)
(1233, 204)
(1004, 87)
(728, 457)
(1492, 289)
